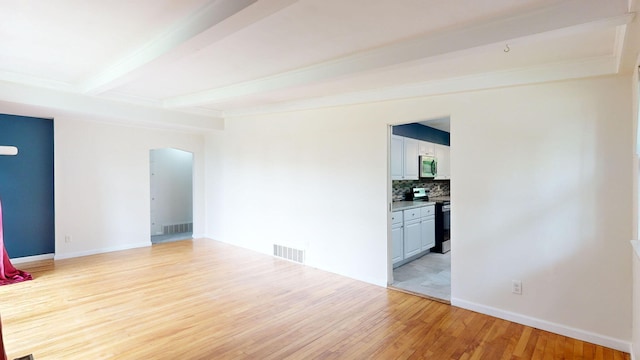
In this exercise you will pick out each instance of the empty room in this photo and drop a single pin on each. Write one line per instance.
(251, 179)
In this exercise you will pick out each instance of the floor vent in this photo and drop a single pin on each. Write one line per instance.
(288, 253)
(177, 228)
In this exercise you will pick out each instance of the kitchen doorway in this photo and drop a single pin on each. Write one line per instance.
(171, 185)
(419, 227)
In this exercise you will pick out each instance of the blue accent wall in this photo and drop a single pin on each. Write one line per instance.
(421, 132)
(26, 186)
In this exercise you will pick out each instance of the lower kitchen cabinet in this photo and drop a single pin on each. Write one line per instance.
(428, 231)
(412, 233)
(428, 227)
(397, 237)
(412, 238)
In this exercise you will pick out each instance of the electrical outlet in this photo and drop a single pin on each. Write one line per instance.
(516, 287)
(67, 239)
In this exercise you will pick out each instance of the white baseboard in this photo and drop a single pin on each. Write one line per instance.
(198, 236)
(102, 250)
(26, 259)
(546, 325)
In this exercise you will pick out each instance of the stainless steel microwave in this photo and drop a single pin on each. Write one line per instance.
(428, 167)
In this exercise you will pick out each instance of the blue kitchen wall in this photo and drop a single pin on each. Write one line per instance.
(421, 132)
(26, 186)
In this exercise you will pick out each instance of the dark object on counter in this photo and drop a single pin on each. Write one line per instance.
(443, 227)
(408, 196)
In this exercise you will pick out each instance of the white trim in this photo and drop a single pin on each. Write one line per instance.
(618, 45)
(556, 328)
(26, 259)
(18, 78)
(103, 250)
(636, 247)
(203, 111)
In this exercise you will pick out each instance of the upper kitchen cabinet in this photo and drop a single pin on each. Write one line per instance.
(426, 148)
(404, 158)
(444, 168)
(397, 157)
(411, 159)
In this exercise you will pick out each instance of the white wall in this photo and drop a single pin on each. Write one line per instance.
(293, 179)
(553, 209)
(102, 185)
(541, 192)
(636, 305)
(635, 353)
(171, 188)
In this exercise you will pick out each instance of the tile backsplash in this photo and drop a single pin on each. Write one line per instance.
(400, 188)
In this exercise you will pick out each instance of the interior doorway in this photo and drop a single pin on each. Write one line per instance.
(171, 184)
(419, 242)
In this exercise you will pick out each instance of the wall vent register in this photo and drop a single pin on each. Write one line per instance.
(177, 228)
(289, 253)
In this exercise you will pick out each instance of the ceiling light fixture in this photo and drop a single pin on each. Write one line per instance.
(8, 150)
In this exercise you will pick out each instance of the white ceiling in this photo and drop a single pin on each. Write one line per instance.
(233, 57)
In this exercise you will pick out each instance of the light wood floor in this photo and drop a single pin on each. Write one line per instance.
(206, 300)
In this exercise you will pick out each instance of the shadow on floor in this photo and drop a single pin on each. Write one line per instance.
(158, 239)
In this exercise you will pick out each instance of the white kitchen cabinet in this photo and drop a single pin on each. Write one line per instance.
(428, 233)
(426, 148)
(404, 158)
(412, 238)
(412, 232)
(411, 159)
(427, 227)
(397, 237)
(444, 168)
(411, 214)
(397, 157)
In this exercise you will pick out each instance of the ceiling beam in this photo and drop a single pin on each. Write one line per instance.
(603, 65)
(212, 23)
(628, 46)
(48, 103)
(573, 14)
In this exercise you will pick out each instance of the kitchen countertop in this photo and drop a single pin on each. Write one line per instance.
(405, 205)
(440, 198)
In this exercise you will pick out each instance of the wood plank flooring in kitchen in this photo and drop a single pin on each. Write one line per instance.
(201, 299)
